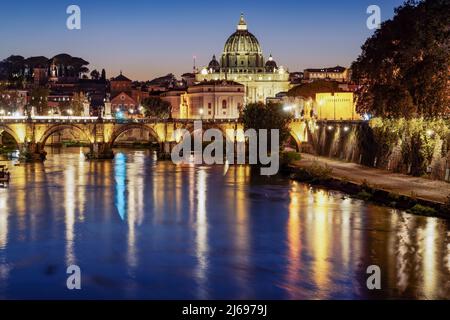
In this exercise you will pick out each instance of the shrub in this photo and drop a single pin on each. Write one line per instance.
(364, 195)
(289, 157)
(320, 172)
(422, 210)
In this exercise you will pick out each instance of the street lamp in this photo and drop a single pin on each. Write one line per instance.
(288, 108)
(201, 113)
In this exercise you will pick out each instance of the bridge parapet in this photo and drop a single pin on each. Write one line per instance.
(32, 133)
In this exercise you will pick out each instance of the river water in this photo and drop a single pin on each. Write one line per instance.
(140, 228)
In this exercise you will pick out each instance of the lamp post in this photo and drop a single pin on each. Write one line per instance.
(201, 113)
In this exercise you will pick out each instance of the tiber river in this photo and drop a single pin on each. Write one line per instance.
(140, 228)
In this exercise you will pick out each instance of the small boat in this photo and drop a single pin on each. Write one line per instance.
(4, 175)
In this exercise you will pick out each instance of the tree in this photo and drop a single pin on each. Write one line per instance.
(267, 116)
(103, 77)
(82, 72)
(95, 75)
(156, 107)
(404, 67)
(75, 105)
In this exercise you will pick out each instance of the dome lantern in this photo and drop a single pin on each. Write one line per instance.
(242, 24)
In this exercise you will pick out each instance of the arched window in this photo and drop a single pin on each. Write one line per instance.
(224, 104)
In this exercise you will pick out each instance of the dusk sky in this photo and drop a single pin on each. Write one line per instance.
(147, 39)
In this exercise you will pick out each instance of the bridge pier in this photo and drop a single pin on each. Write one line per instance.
(31, 152)
(100, 151)
(165, 150)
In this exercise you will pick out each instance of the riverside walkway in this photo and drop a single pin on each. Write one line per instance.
(421, 188)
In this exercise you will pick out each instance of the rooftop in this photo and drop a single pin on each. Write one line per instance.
(218, 82)
(121, 77)
(337, 69)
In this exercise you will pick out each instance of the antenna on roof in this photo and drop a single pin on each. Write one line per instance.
(194, 68)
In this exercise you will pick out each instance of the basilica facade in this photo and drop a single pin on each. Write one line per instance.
(242, 61)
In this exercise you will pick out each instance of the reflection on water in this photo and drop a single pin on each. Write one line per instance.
(139, 228)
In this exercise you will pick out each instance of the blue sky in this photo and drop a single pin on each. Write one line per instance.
(146, 39)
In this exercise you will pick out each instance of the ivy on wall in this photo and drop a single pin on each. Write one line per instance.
(418, 139)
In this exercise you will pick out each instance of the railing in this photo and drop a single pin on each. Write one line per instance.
(77, 119)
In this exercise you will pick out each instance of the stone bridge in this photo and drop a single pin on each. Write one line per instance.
(31, 134)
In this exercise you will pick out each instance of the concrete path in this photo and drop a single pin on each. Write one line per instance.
(431, 190)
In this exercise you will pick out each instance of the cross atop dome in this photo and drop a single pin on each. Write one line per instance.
(242, 24)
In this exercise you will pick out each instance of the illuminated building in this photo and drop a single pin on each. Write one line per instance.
(242, 61)
(336, 106)
(215, 100)
(124, 97)
(337, 73)
(325, 106)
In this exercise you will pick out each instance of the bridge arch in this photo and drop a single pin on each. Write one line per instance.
(60, 127)
(10, 132)
(122, 129)
(298, 142)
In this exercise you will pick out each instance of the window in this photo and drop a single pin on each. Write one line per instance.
(209, 105)
(224, 104)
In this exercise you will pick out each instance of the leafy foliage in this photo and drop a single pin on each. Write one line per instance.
(422, 210)
(267, 116)
(75, 105)
(289, 157)
(403, 68)
(95, 75)
(418, 139)
(156, 107)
